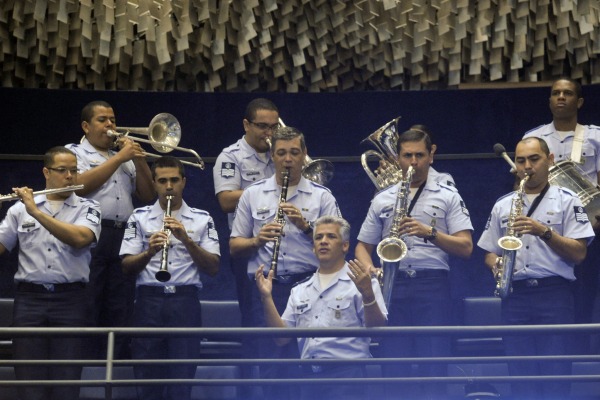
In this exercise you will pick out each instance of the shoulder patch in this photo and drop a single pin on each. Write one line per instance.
(212, 232)
(93, 215)
(580, 214)
(463, 207)
(130, 231)
(227, 170)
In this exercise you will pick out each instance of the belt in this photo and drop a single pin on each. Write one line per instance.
(291, 279)
(109, 223)
(49, 287)
(422, 273)
(539, 282)
(147, 290)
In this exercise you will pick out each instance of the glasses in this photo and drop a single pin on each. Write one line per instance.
(63, 170)
(263, 126)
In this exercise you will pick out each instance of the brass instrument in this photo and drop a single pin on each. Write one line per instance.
(164, 134)
(385, 140)
(14, 196)
(393, 249)
(163, 274)
(280, 219)
(509, 243)
(319, 171)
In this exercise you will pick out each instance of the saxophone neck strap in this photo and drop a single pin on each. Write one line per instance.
(538, 200)
(414, 199)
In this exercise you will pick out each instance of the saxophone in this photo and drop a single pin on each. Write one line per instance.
(280, 219)
(509, 243)
(393, 249)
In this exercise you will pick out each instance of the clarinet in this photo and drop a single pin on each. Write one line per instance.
(163, 274)
(279, 218)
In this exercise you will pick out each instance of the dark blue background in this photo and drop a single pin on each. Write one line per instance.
(465, 125)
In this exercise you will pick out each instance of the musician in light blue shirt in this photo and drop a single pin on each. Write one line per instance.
(555, 232)
(187, 241)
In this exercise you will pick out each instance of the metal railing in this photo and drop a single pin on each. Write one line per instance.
(220, 334)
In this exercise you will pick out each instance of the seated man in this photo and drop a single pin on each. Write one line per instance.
(340, 294)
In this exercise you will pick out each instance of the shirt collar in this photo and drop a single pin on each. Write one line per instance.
(157, 212)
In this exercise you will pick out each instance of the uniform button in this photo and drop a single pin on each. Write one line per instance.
(49, 249)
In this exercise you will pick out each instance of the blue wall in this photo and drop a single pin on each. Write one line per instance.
(466, 123)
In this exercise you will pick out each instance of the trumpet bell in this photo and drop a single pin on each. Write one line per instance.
(164, 130)
(392, 250)
(510, 243)
(319, 171)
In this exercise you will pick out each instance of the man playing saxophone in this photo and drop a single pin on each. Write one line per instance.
(437, 225)
(193, 247)
(555, 232)
(255, 231)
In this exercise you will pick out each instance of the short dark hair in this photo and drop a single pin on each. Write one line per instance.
(167, 162)
(52, 152)
(259, 104)
(88, 111)
(287, 133)
(578, 89)
(414, 136)
(542, 142)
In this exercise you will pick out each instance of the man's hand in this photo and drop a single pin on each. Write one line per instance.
(361, 276)
(26, 196)
(129, 149)
(264, 285)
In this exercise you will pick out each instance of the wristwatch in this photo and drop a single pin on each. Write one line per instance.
(432, 234)
(547, 235)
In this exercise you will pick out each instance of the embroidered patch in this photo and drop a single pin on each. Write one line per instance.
(28, 224)
(580, 214)
(487, 224)
(301, 307)
(227, 170)
(130, 231)
(252, 173)
(463, 207)
(93, 216)
(212, 232)
(450, 183)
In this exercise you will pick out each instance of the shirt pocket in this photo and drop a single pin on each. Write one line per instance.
(29, 235)
(262, 216)
(433, 212)
(340, 312)
(251, 173)
(553, 221)
(302, 314)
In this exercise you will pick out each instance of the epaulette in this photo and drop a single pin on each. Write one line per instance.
(567, 191)
(319, 185)
(142, 209)
(303, 280)
(198, 211)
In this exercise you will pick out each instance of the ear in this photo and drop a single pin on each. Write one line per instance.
(551, 158)
(246, 124)
(85, 126)
(579, 102)
(46, 172)
(346, 247)
(433, 149)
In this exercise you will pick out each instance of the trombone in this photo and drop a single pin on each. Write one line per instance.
(14, 196)
(164, 134)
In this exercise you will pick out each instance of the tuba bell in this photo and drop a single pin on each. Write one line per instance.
(385, 140)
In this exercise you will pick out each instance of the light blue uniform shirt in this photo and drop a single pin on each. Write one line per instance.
(42, 257)
(437, 202)
(442, 177)
(115, 194)
(562, 148)
(146, 221)
(258, 206)
(561, 210)
(339, 305)
(239, 166)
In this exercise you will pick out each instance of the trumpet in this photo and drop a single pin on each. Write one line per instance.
(164, 134)
(279, 218)
(163, 274)
(385, 139)
(319, 171)
(14, 196)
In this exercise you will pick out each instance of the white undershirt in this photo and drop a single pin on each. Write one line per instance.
(325, 279)
(564, 134)
(55, 205)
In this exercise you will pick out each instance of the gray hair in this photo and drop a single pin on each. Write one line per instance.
(339, 221)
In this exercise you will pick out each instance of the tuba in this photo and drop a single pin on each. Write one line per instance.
(163, 274)
(385, 140)
(509, 243)
(280, 219)
(393, 249)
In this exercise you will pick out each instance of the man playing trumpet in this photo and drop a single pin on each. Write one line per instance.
(55, 233)
(555, 232)
(193, 247)
(254, 232)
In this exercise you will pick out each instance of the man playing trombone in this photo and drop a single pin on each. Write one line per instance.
(435, 225)
(166, 245)
(112, 171)
(54, 232)
(255, 232)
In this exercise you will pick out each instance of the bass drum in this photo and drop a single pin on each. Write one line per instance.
(567, 174)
